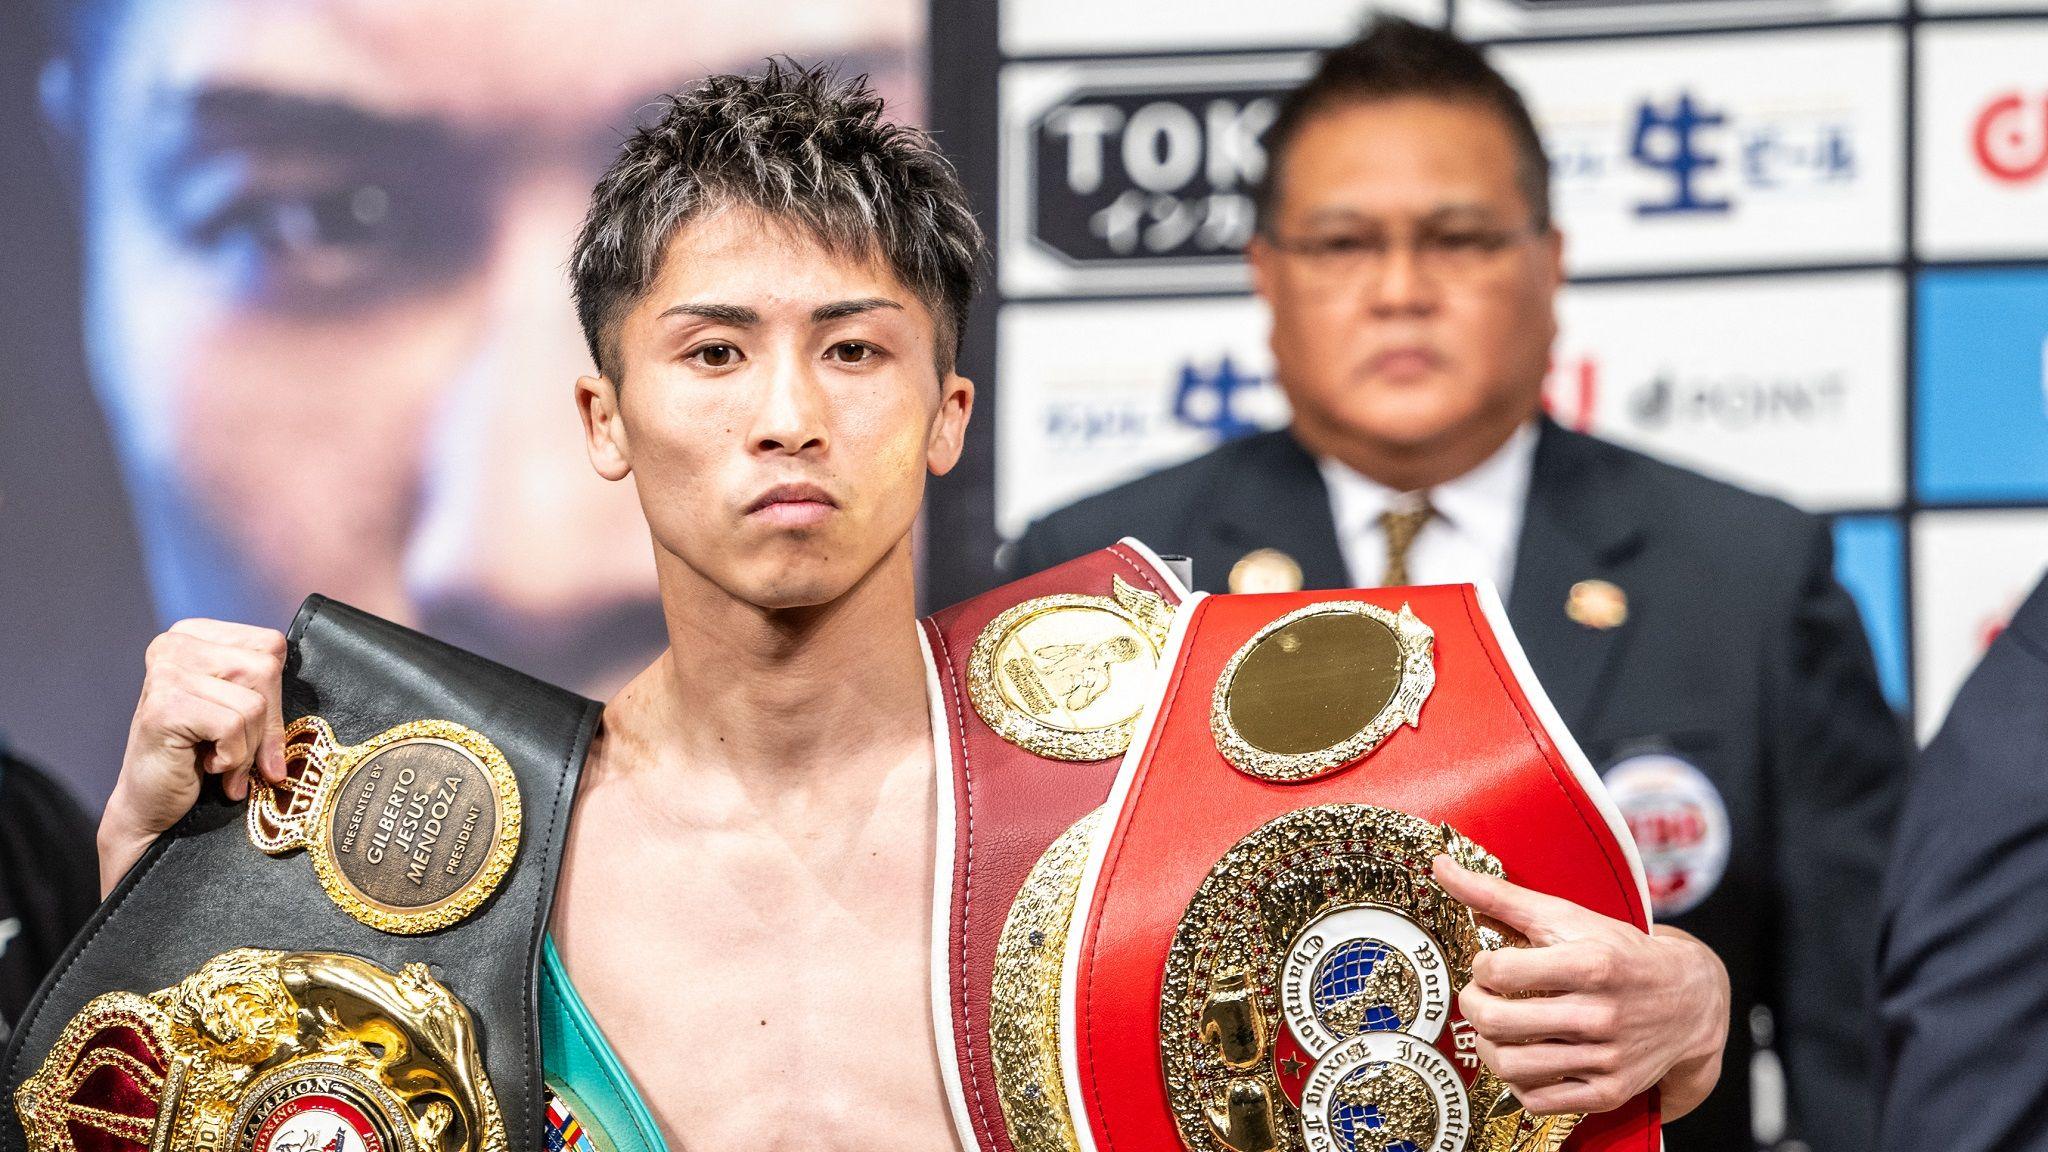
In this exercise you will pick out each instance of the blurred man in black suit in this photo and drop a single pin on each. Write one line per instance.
(49, 880)
(1692, 634)
(1962, 983)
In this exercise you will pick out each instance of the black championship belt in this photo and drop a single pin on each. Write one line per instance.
(354, 951)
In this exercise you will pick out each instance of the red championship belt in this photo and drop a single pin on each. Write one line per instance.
(1036, 690)
(1260, 959)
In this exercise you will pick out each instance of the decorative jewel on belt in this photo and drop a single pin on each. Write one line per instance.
(1065, 676)
(1310, 997)
(409, 832)
(268, 1052)
(1320, 688)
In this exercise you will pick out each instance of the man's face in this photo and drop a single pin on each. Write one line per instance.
(778, 412)
(1411, 290)
(327, 303)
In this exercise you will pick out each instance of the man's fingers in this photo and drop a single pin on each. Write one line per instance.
(247, 636)
(1501, 1020)
(229, 715)
(1541, 917)
(1586, 965)
(1547, 1062)
(254, 665)
(1601, 1094)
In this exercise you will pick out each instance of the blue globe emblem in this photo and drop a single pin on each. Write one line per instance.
(1365, 985)
(1383, 1107)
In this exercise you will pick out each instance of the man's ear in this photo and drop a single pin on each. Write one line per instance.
(949, 426)
(1258, 257)
(604, 427)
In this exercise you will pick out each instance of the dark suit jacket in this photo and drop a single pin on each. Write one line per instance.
(1740, 654)
(49, 880)
(1963, 980)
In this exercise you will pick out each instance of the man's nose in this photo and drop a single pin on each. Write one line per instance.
(519, 542)
(1403, 286)
(791, 417)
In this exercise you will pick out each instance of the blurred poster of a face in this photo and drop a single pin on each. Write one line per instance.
(326, 303)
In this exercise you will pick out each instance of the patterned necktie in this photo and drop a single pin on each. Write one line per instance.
(1401, 525)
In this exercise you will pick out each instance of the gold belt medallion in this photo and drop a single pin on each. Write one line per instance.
(409, 832)
(1321, 687)
(264, 1051)
(1066, 676)
(1310, 992)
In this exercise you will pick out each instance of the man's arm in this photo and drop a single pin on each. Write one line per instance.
(1837, 758)
(212, 705)
(1962, 978)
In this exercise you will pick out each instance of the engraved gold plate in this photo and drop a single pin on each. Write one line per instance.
(408, 833)
(1321, 687)
(1065, 676)
(1310, 995)
(1024, 1000)
(263, 1051)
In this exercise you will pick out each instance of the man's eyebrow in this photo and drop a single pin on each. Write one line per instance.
(736, 315)
(841, 309)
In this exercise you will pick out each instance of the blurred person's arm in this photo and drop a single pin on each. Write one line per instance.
(47, 879)
(1962, 980)
(1837, 759)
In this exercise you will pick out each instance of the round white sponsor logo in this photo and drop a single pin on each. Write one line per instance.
(1680, 825)
(1363, 969)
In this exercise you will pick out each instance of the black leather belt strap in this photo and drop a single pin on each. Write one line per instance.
(203, 888)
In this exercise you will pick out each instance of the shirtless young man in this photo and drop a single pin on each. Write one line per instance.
(773, 281)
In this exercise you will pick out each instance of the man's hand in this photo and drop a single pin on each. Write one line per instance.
(212, 704)
(1595, 1010)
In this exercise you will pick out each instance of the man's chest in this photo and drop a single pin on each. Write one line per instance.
(757, 1005)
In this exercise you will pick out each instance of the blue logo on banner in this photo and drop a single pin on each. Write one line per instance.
(1981, 417)
(1208, 400)
(1870, 562)
(1669, 142)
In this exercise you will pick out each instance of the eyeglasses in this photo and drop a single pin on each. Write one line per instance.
(1447, 254)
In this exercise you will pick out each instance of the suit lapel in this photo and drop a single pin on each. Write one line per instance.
(1276, 499)
(1573, 529)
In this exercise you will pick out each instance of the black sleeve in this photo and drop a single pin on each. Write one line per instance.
(49, 879)
(1963, 979)
(1838, 759)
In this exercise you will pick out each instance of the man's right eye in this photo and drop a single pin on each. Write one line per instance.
(716, 355)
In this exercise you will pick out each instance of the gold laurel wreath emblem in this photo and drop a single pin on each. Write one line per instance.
(205, 1063)
(300, 813)
(1322, 687)
(1065, 676)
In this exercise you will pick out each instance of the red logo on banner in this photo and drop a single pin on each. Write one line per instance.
(2011, 137)
(1571, 392)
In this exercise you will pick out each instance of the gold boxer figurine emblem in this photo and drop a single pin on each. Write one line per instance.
(409, 832)
(1065, 676)
(263, 1051)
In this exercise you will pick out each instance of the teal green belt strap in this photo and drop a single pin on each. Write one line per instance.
(595, 1107)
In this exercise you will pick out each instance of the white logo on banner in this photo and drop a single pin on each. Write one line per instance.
(1134, 176)
(1088, 27)
(1789, 385)
(1982, 147)
(1098, 393)
(1761, 149)
(1971, 570)
(1490, 18)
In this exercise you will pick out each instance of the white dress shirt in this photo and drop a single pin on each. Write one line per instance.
(1473, 535)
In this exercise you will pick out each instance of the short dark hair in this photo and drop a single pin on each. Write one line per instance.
(803, 146)
(1396, 58)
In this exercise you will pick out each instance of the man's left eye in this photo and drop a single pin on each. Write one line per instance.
(852, 352)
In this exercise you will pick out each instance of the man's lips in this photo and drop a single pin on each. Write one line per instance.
(1404, 363)
(793, 505)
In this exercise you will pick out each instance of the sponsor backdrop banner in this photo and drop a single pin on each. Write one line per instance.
(1799, 235)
